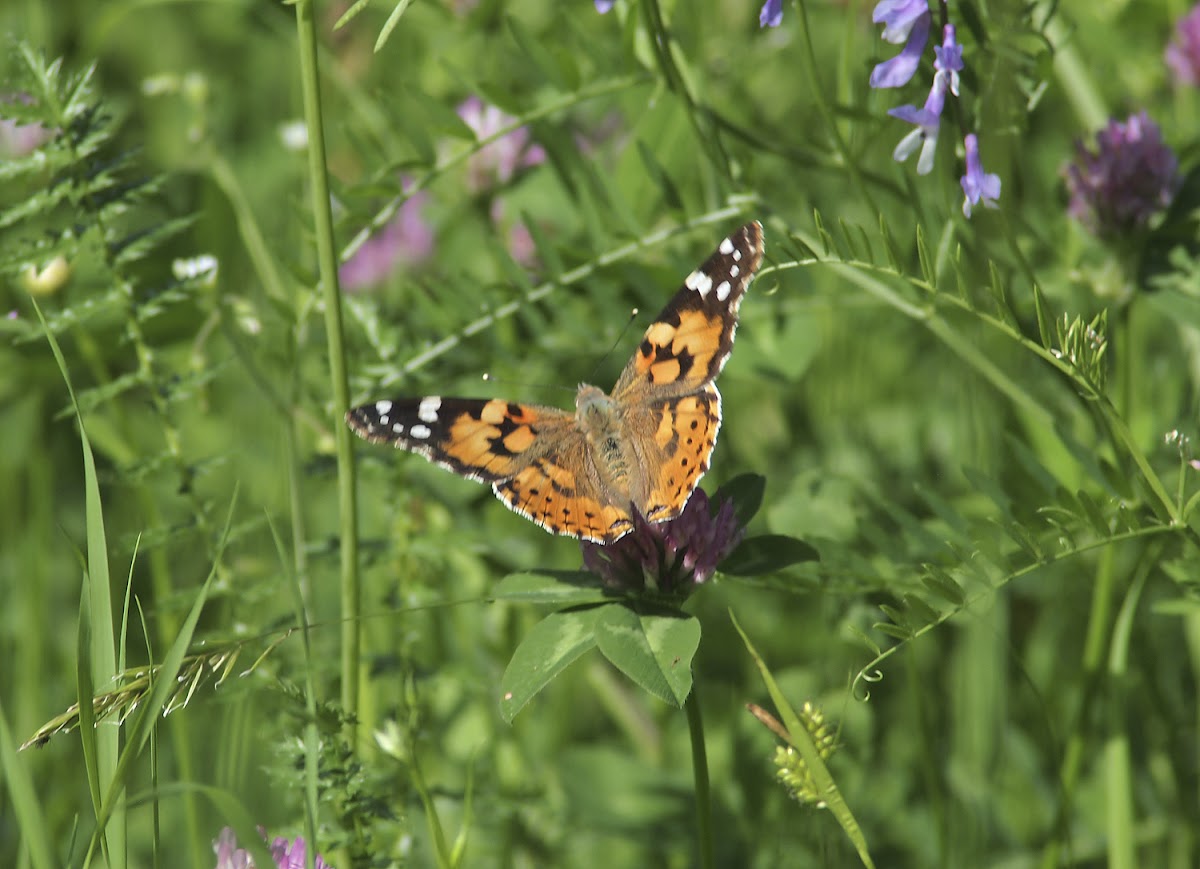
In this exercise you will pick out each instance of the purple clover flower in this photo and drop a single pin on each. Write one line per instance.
(771, 14)
(979, 186)
(1130, 177)
(287, 855)
(603, 6)
(406, 240)
(902, 20)
(672, 556)
(499, 160)
(1183, 52)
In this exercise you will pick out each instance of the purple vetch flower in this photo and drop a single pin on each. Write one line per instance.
(498, 160)
(1183, 52)
(1130, 177)
(948, 62)
(287, 855)
(927, 120)
(406, 239)
(672, 556)
(979, 186)
(771, 14)
(902, 20)
(603, 6)
(898, 17)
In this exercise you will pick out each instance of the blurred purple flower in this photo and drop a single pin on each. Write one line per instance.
(406, 240)
(1130, 177)
(498, 160)
(948, 62)
(603, 6)
(979, 186)
(902, 20)
(286, 855)
(771, 14)
(927, 120)
(672, 556)
(898, 17)
(17, 139)
(520, 239)
(1183, 52)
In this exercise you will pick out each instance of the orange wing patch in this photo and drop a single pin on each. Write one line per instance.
(669, 353)
(547, 492)
(686, 435)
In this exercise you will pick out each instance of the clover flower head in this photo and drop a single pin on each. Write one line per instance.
(671, 557)
(406, 240)
(1183, 52)
(901, 24)
(771, 14)
(1131, 176)
(498, 160)
(978, 186)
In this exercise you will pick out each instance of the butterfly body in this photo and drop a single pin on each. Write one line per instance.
(642, 447)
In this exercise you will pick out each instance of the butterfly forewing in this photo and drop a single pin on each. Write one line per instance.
(687, 344)
(481, 439)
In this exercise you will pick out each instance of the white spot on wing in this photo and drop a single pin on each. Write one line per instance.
(420, 432)
(734, 270)
(383, 408)
(398, 428)
(726, 247)
(700, 282)
(737, 256)
(427, 411)
(723, 289)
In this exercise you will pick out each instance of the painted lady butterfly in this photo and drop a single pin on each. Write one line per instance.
(644, 447)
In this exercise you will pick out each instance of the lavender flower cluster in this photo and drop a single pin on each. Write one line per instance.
(909, 21)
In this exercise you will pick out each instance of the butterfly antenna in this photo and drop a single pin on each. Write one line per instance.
(633, 313)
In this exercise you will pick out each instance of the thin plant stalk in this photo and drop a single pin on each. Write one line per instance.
(351, 594)
(704, 827)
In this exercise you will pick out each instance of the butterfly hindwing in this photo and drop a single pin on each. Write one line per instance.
(559, 493)
(684, 431)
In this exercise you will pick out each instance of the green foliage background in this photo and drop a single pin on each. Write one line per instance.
(1002, 625)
